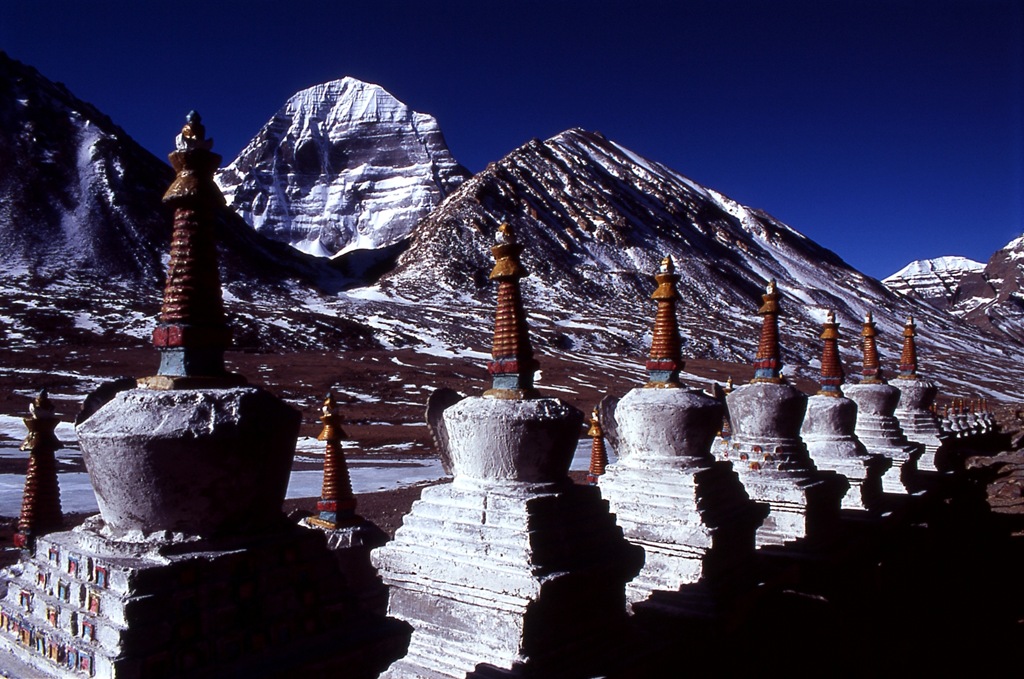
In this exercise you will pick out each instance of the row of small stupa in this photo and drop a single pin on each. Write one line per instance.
(513, 563)
(191, 569)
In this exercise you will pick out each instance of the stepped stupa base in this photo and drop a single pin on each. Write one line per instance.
(922, 427)
(919, 425)
(827, 431)
(772, 462)
(881, 434)
(864, 474)
(692, 517)
(803, 505)
(898, 478)
(87, 604)
(513, 574)
(697, 602)
(689, 512)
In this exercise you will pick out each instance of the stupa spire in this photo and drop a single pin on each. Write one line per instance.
(768, 362)
(726, 431)
(666, 358)
(512, 365)
(908, 358)
(192, 332)
(337, 504)
(40, 503)
(598, 454)
(832, 374)
(872, 370)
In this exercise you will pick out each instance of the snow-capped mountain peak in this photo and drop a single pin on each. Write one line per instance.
(953, 264)
(343, 165)
(932, 280)
(343, 102)
(595, 218)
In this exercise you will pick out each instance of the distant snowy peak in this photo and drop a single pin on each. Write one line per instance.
(342, 166)
(932, 280)
(954, 265)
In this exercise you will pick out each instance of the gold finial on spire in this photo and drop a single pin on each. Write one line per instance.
(332, 430)
(872, 370)
(768, 361)
(337, 504)
(666, 359)
(832, 374)
(908, 357)
(512, 365)
(598, 454)
(506, 255)
(770, 299)
(193, 134)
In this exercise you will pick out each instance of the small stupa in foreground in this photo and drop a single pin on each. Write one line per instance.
(511, 568)
(877, 428)
(828, 429)
(767, 452)
(40, 504)
(689, 512)
(349, 535)
(917, 395)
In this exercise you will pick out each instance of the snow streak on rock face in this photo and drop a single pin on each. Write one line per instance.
(75, 190)
(932, 280)
(596, 219)
(993, 298)
(343, 166)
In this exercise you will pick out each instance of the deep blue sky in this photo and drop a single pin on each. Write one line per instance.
(886, 131)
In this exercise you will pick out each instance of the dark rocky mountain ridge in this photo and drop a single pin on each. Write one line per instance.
(74, 188)
(595, 217)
